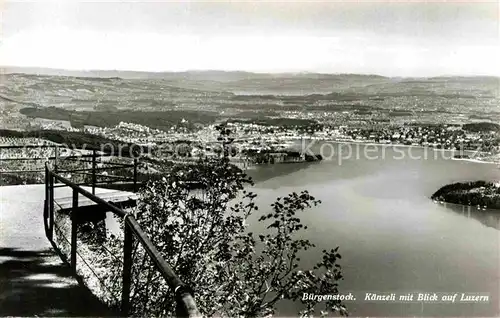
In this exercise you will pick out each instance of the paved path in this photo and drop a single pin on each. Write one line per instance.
(33, 279)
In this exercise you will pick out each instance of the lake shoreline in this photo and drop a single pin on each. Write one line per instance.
(475, 161)
(476, 193)
(391, 145)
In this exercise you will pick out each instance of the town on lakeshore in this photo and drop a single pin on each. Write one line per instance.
(259, 124)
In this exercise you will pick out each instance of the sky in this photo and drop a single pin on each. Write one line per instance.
(405, 38)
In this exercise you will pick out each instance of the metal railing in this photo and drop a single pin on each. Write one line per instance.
(133, 233)
(52, 151)
(93, 158)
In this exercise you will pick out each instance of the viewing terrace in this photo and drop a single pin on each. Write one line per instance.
(46, 265)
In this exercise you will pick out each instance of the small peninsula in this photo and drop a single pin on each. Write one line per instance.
(474, 193)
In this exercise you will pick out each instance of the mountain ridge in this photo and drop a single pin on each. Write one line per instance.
(220, 74)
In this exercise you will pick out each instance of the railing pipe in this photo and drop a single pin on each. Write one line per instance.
(46, 202)
(74, 229)
(135, 174)
(93, 171)
(186, 306)
(109, 176)
(76, 158)
(25, 146)
(127, 269)
(20, 171)
(51, 205)
(85, 193)
(96, 169)
(56, 161)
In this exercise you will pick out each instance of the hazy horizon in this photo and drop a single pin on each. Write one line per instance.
(29, 70)
(386, 38)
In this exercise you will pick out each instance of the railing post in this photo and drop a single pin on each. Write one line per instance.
(93, 171)
(56, 160)
(46, 202)
(135, 174)
(74, 229)
(127, 269)
(185, 304)
(46, 183)
(51, 206)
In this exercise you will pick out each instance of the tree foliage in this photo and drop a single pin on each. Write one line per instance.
(204, 235)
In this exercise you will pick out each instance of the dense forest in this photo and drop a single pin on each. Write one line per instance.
(482, 127)
(163, 120)
(482, 193)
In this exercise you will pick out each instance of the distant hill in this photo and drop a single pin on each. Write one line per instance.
(481, 127)
(251, 94)
(304, 83)
(195, 75)
(100, 93)
(232, 81)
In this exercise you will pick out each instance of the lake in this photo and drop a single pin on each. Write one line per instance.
(392, 237)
